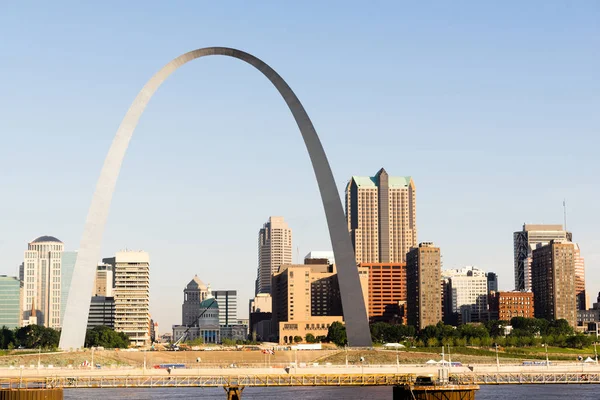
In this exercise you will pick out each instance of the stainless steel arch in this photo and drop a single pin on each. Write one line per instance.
(76, 314)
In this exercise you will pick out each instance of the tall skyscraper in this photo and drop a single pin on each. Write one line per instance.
(227, 300)
(103, 282)
(381, 215)
(525, 241)
(582, 298)
(10, 302)
(42, 281)
(132, 295)
(274, 250)
(423, 284)
(66, 275)
(553, 281)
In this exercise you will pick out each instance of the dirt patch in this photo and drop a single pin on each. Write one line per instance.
(136, 358)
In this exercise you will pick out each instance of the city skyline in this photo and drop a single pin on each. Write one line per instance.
(473, 112)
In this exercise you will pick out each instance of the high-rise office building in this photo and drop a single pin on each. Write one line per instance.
(103, 281)
(11, 290)
(66, 275)
(553, 281)
(42, 281)
(306, 299)
(525, 241)
(227, 300)
(492, 282)
(381, 215)
(468, 292)
(102, 312)
(580, 292)
(193, 295)
(387, 291)
(274, 250)
(423, 284)
(132, 295)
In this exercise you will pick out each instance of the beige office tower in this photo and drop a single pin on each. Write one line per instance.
(583, 302)
(132, 295)
(274, 250)
(423, 293)
(553, 281)
(306, 300)
(381, 215)
(103, 282)
(41, 272)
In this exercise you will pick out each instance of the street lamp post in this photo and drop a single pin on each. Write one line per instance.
(92, 365)
(595, 353)
(39, 358)
(346, 347)
(547, 362)
(497, 359)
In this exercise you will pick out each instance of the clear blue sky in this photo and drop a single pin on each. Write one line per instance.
(494, 109)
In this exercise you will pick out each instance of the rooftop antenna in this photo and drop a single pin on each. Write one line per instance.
(565, 212)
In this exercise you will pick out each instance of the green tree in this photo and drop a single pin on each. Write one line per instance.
(578, 341)
(36, 336)
(195, 342)
(310, 338)
(7, 338)
(432, 342)
(496, 328)
(337, 334)
(297, 339)
(560, 327)
(103, 336)
(227, 342)
(486, 341)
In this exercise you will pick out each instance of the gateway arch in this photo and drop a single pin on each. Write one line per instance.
(76, 314)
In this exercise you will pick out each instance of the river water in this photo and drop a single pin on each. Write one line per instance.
(512, 392)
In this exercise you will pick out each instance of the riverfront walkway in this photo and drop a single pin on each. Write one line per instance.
(282, 380)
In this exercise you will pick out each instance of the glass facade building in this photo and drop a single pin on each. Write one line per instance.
(10, 302)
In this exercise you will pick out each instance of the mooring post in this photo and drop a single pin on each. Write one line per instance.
(31, 394)
(234, 392)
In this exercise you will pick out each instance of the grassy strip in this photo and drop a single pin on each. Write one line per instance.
(554, 353)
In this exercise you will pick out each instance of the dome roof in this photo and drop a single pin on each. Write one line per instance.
(210, 302)
(46, 239)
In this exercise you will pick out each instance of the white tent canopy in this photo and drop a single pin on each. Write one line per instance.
(394, 345)
(431, 362)
(589, 360)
